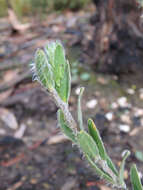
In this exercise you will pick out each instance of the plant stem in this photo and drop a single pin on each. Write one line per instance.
(64, 107)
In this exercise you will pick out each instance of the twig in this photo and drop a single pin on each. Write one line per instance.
(23, 76)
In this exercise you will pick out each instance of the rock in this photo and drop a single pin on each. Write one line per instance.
(91, 104)
(122, 101)
(70, 184)
(20, 132)
(114, 105)
(8, 118)
(102, 80)
(140, 174)
(2, 132)
(141, 93)
(141, 122)
(33, 181)
(125, 118)
(57, 139)
(126, 174)
(103, 103)
(138, 112)
(109, 116)
(124, 128)
(77, 90)
(130, 91)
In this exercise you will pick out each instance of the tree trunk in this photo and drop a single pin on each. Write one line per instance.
(117, 43)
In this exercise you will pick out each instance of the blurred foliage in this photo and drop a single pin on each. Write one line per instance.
(3, 8)
(69, 4)
(30, 7)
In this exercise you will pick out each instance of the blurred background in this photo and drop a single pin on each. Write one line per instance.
(104, 44)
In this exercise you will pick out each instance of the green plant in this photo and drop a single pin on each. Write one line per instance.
(52, 70)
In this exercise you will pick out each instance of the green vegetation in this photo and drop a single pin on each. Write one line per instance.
(52, 70)
(3, 8)
(31, 7)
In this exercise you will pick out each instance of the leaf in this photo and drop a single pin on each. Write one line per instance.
(88, 145)
(65, 84)
(50, 52)
(59, 64)
(111, 165)
(135, 179)
(61, 69)
(43, 70)
(79, 113)
(85, 76)
(99, 172)
(93, 131)
(139, 155)
(122, 167)
(96, 136)
(64, 127)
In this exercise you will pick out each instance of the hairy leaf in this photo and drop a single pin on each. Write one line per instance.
(64, 127)
(43, 70)
(135, 179)
(87, 145)
(122, 167)
(100, 172)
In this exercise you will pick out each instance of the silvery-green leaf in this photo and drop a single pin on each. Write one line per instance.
(87, 145)
(79, 111)
(100, 172)
(43, 70)
(50, 51)
(64, 127)
(96, 136)
(139, 155)
(61, 69)
(65, 84)
(93, 131)
(135, 179)
(59, 64)
(122, 167)
(111, 165)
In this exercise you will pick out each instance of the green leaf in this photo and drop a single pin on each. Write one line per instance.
(93, 131)
(122, 167)
(50, 52)
(111, 165)
(64, 127)
(135, 179)
(59, 64)
(99, 172)
(87, 145)
(85, 76)
(61, 69)
(44, 70)
(139, 155)
(65, 84)
(79, 112)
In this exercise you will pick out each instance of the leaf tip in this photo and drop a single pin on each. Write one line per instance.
(91, 122)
